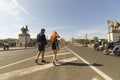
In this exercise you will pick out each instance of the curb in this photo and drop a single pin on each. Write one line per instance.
(11, 49)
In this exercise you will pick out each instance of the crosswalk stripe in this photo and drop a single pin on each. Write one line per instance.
(22, 72)
(32, 58)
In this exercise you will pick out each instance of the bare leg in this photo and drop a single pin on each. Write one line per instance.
(54, 57)
(43, 57)
(38, 54)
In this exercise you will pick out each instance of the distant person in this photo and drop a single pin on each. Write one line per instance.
(55, 46)
(6, 45)
(100, 42)
(41, 42)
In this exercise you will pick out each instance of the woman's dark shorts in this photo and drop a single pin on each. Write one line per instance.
(54, 45)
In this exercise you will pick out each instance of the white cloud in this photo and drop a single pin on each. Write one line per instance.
(13, 8)
(71, 32)
(56, 28)
(10, 9)
(23, 9)
(9, 32)
(92, 32)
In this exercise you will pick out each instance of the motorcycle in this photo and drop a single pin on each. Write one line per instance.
(116, 50)
(112, 48)
(98, 47)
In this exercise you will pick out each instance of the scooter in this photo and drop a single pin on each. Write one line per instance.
(108, 48)
(116, 50)
(98, 47)
(112, 49)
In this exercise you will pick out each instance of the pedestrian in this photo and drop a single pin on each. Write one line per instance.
(41, 43)
(55, 46)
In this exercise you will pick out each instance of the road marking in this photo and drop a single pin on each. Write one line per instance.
(32, 58)
(96, 78)
(105, 76)
(22, 72)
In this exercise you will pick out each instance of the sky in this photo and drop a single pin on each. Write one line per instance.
(70, 18)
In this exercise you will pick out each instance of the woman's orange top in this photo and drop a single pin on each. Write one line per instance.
(53, 36)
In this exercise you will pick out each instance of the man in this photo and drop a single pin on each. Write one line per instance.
(41, 42)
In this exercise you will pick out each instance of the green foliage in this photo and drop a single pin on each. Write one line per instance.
(87, 41)
(12, 44)
(82, 41)
(95, 39)
(104, 40)
(92, 41)
(33, 42)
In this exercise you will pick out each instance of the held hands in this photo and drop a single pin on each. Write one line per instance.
(48, 45)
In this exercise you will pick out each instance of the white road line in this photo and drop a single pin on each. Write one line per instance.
(106, 77)
(32, 58)
(96, 78)
(21, 72)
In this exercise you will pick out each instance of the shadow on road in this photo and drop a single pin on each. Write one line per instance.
(43, 63)
(82, 64)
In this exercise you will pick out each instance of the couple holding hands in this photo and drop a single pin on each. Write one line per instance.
(42, 43)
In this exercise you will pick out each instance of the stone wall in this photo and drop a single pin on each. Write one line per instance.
(113, 36)
(23, 38)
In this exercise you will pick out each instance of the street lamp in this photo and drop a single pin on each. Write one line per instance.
(109, 38)
(26, 29)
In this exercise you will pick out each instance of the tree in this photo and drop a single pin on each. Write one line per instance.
(84, 41)
(95, 39)
(104, 40)
(92, 41)
(33, 42)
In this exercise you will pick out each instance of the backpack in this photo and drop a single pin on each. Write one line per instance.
(39, 39)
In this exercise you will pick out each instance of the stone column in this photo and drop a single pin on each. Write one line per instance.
(113, 36)
(24, 40)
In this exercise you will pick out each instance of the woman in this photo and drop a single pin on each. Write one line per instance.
(55, 46)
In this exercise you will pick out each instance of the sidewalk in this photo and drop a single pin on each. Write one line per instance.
(16, 48)
(88, 45)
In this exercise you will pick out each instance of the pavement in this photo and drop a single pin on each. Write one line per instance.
(20, 65)
(88, 45)
(16, 48)
(74, 63)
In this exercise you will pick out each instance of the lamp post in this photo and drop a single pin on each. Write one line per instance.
(26, 29)
(109, 32)
(25, 40)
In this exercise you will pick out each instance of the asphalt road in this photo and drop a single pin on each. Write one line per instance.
(74, 63)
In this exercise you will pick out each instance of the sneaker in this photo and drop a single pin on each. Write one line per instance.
(36, 60)
(43, 61)
(54, 64)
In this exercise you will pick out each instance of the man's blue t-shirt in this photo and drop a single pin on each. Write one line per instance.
(41, 39)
